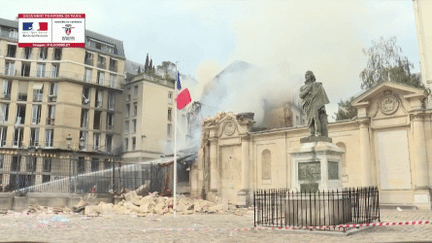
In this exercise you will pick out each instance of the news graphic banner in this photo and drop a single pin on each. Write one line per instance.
(51, 30)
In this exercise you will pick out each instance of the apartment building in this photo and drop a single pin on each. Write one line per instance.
(49, 93)
(148, 117)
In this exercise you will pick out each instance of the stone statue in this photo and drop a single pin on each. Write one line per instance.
(314, 101)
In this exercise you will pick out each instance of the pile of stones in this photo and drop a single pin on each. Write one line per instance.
(152, 204)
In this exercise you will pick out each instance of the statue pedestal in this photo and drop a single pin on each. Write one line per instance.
(316, 165)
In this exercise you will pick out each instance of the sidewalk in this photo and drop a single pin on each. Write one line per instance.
(193, 228)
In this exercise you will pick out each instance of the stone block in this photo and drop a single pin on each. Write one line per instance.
(6, 201)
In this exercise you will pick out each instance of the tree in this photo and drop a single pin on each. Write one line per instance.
(167, 67)
(346, 110)
(150, 67)
(385, 63)
(146, 64)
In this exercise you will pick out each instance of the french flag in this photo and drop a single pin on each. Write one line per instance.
(183, 97)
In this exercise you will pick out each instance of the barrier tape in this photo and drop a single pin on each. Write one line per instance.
(64, 225)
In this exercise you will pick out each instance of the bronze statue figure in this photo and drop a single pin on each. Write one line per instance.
(314, 101)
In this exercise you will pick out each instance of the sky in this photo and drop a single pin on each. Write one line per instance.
(284, 38)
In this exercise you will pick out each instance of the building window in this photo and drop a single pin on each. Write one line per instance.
(86, 96)
(37, 92)
(111, 101)
(6, 89)
(169, 129)
(11, 50)
(53, 92)
(84, 136)
(88, 75)
(126, 144)
(55, 70)
(95, 164)
(27, 53)
(135, 109)
(31, 164)
(101, 62)
(136, 91)
(9, 68)
(13, 34)
(170, 97)
(134, 126)
(113, 65)
(96, 141)
(133, 144)
(57, 53)
(47, 165)
(20, 114)
(34, 137)
(266, 164)
(84, 118)
(22, 91)
(81, 165)
(18, 135)
(49, 138)
(112, 80)
(107, 164)
(98, 46)
(109, 143)
(101, 78)
(40, 70)
(3, 135)
(43, 53)
(97, 120)
(25, 69)
(126, 128)
(46, 178)
(110, 121)
(169, 114)
(128, 94)
(98, 98)
(4, 112)
(88, 59)
(127, 110)
(1, 165)
(51, 114)
(16, 163)
(36, 114)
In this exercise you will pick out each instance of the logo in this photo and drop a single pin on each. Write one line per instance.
(68, 29)
(43, 26)
(28, 26)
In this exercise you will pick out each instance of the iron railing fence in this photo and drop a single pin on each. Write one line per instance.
(284, 207)
(30, 173)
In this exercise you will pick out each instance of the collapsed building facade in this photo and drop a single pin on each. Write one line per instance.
(388, 145)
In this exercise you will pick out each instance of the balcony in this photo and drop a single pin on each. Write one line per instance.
(6, 96)
(89, 62)
(52, 98)
(114, 82)
(50, 121)
(101, 65)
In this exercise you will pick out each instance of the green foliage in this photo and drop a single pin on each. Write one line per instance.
(167, 67)
(385, 63)
(346, 110)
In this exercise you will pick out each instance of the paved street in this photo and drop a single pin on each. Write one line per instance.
(201, 228)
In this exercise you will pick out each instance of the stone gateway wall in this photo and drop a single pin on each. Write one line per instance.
(391, 129)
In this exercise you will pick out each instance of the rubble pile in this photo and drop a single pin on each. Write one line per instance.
(134, 203)
(152, 204)
(48, 210)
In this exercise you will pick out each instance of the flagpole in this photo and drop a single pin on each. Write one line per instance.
(175, 146)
